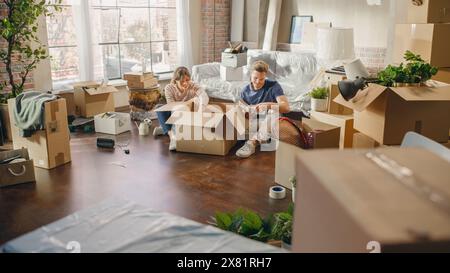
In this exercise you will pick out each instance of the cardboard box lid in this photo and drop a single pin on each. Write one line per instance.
(384, 206)
(196, 119)
(434, 91)
(85, 84)
(313, 125)
(100, 90)
(175, 106)
(13, 153)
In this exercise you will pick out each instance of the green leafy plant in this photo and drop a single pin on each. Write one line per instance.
(319, 93)
(19, 30)
(415, 71)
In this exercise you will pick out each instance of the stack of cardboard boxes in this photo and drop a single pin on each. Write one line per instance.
(232, 65)
(144, 93)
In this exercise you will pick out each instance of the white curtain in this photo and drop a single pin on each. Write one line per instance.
(184, 38)
(273, 20)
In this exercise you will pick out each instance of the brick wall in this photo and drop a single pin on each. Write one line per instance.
(16, 68)
(216, 28)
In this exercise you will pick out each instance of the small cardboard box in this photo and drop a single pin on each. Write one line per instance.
(349, 201)
(428, 40)
(212, 130)
(387, 114)
(70, 101)
(234, 60)
(431, 11)
(443, 75)
(336, 108)
(92, 98)
(361, 141)
(345, 122)
(230, 73)
(112, 123)
(147, 84)
(325, 136)
(48, 148)
(138, 76)
(16, 173)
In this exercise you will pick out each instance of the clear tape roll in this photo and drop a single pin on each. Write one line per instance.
(277, 192)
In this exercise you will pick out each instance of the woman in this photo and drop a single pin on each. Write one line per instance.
(181, 88)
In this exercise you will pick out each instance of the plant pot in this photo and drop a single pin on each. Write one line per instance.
(319, 105)
(4, 115)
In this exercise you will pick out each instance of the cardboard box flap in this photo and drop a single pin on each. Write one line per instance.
(313, 125)
(424, 93)
(100, 90)
(363, 99)
(89, 84)
(196, 119)
(23, 153)
(175, 106)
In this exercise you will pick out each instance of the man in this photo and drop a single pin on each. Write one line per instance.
(263, 95)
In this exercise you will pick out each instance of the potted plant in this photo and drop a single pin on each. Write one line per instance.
(293, 181)
(414, 73)
(319, 99)
(22, 50)
(282, 227)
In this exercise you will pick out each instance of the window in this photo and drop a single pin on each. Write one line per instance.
(118, 36)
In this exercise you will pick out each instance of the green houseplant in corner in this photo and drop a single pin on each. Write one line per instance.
(22, 50)
(319, 99)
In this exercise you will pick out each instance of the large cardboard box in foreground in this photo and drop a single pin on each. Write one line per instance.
(428, 40)
(16, 172)
(387, 114)
(362, 199)
(48, 148)
(325, 136)
(212, 129)
(92, 98)
(430, 11)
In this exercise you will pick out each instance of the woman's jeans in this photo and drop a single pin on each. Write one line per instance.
(162, 118)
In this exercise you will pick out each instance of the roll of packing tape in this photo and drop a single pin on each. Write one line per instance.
(277, 192)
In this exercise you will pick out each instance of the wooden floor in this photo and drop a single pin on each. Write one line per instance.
(189, 185)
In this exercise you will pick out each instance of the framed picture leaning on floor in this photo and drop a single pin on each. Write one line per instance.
(297, 23)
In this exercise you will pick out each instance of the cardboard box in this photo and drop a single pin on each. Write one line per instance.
(138, 76)
(443, 75)
(147, 84)
(335, 108)
(70, 101)
(112, 123)
(325, 136)
(347, 202)
(48, 148)
(387, 114)
(345, 122)
(431, 11)
(428, 40)
(230, 73)
(209, 130)
(361, 141)
(234, 60)
(16, 173)
(92, 99)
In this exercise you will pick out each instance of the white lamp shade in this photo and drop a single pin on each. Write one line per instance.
(355, 69)
(335, 44)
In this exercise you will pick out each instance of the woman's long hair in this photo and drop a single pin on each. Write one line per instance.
(179, 73)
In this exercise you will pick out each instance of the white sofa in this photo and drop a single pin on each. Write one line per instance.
(293, 70)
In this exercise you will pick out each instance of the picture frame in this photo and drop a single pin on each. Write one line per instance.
(297, 27)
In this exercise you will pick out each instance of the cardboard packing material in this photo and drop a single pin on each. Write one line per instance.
(112, 123)
(212, 130)
(361, 141)
(325, 136)
(48, 148)
(431, 41)
(335, 108)
(16, 173)
(443, 75)
(345, 122)
(431, 11)
(234, 60)
(357, 201)
(230, 73)
(387, 114)
(138, 76)
(70, 101)
(92, 99)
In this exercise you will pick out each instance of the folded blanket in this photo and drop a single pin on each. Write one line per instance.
(29, 111)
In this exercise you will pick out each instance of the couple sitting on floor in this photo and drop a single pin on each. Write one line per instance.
(262, 93)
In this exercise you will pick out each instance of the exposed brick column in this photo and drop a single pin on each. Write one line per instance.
(216, 28)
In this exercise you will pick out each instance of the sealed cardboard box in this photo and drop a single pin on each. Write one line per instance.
(212, 130)
(48, 148)
(443, 75)
(426, 11)
(112, 123)
(16, 167)
(231, 73)
(387, 114)
(234, 60)
(92, 98)
(365, 201)
(428, 40)
(324, 135)
(70, 101)
(147, 84)
(345, 122)
(361, 141)
(336, 108)
(138, 76)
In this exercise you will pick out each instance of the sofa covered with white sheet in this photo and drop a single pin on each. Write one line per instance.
(293, 70)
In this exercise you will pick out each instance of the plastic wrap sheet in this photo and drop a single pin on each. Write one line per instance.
(122, 226)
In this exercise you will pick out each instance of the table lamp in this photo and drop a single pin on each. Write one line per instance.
(335, 45)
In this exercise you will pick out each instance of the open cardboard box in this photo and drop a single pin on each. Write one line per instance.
(112, 123)
(213, 129)
(92, 98)
(345, 122)
(386, 114)
(16, 173)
